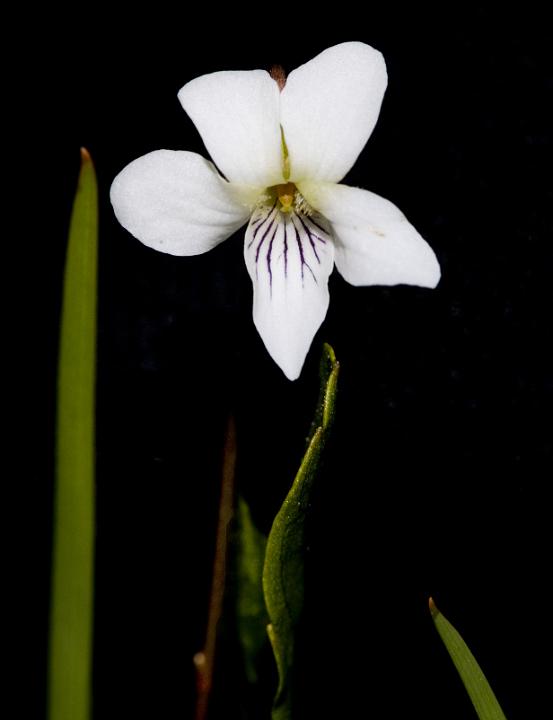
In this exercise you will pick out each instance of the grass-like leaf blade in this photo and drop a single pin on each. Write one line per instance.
(481, 695)
(71, 611)
(283, 573)
(250, 604)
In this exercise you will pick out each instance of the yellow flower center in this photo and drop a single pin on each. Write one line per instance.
(286, 194)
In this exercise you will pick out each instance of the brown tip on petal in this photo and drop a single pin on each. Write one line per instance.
(279, 76)
(432, 607)
(85, 155)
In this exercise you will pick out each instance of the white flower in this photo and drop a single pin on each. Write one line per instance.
(282, 151)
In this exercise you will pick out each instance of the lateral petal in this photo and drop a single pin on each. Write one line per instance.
(176, 202)
(375, 244)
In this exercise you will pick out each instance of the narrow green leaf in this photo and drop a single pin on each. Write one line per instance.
(283, 573)
(474, 680)
(70, 660)
(250, 605)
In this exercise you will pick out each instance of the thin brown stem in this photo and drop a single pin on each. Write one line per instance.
(205, 659)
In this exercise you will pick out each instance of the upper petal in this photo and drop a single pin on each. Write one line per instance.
(237, 115)
(329, 108)
(289, 257)
(176, 202)
(374, 242)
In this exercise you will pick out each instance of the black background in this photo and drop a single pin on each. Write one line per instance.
(437, 475)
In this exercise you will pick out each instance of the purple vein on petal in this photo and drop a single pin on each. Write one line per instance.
(309, 235)
(260, 225)
(316, 224)
(326, 233)
(264, 236)
(263, 216)
(303, 261)
(285, 249)
(269, 251)
(255, 223)
(267, 231)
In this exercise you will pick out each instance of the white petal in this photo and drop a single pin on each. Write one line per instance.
(237, 115)
(176, 202)
(289, 258)
(374, 242)
(329, 108)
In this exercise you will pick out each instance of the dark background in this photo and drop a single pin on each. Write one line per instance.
(437, 475)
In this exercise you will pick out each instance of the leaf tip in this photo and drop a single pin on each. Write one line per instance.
(432, 607)
(85, 156)
(329, 352)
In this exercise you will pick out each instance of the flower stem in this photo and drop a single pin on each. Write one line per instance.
(205, 659)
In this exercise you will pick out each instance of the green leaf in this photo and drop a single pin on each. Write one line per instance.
(474, 680)
(70, 651)
(283, 573)
(328, 374)
(252, 616)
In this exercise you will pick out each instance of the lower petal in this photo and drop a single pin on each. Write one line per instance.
(289, 256)
(375, 243)
(176, 202)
